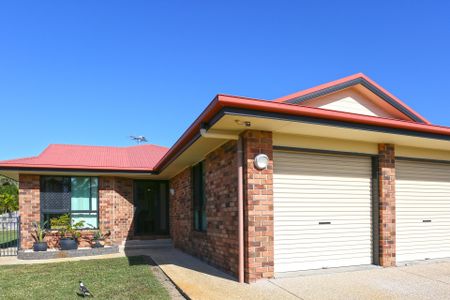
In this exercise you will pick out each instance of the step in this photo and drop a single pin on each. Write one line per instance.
(144, 244)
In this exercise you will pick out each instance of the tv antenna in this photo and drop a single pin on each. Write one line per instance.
(138, 139)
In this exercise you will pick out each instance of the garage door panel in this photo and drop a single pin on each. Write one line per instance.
(325, 254)
(294, 179)
(313, 188)
(331, 262)
(303, 234)
(288, 244)
(331, 246)
(331, 209)
(422, 193)
(300, 223)
(427, 243)
(307, 234)
(412, 229)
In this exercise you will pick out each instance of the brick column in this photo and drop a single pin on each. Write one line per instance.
(258, 208)
(387, 225)
(116, 207)
(29, 208)
(106, 201)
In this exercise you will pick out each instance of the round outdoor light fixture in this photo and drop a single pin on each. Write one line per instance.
(261, 161)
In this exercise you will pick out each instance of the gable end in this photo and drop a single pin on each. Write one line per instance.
(353, 82)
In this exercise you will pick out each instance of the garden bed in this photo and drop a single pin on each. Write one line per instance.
(54, 253)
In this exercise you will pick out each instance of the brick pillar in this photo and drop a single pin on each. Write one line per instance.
(387, 205)
(29, 208)
(123, 209)
(258, 208)
(106, 202)
(116, 208)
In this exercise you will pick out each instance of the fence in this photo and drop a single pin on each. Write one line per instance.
(9, 235)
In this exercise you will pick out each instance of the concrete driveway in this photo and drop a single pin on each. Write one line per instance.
(198, 280)
(428, 280)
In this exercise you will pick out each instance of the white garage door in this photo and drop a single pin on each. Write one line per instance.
(322, 211)
(423, 210)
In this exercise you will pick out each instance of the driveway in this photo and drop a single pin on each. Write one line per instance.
(428, 280)
(198, 280)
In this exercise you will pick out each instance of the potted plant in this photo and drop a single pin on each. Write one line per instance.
(98, 240)
(68, 232)
(38, 236)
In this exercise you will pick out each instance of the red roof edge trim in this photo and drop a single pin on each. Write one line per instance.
(222, 101)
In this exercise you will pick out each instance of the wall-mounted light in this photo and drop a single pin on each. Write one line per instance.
(261, 161)
(172, 192)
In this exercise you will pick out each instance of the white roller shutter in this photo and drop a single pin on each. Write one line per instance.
(423, 210)
(322, 211)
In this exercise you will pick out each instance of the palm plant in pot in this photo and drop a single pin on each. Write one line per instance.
(38, 235)
(98, 240)
(68, 231)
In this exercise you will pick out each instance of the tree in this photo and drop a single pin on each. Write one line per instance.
(9, 195)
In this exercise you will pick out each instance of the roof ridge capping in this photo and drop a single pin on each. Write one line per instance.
(346, 82)
(103, 146)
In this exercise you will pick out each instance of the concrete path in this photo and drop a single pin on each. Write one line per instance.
(199, 280)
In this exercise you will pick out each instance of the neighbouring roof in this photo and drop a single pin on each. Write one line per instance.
(154, 159)
(57, 156)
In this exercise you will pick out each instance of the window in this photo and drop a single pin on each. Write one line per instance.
(76, 196)
(199, 200)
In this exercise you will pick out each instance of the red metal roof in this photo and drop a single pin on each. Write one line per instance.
(57, 156)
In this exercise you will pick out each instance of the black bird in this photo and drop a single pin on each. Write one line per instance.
(84, 290)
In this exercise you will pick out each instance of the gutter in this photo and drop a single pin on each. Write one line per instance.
(79, 170)
(218, 134)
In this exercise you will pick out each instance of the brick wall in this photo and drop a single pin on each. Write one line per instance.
(387, 205)
(115, 210)
(219, 244)
(117, 217)
(258, 210)
(29, 207)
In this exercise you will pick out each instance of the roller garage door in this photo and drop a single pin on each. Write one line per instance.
(322, 211)
(423, 210)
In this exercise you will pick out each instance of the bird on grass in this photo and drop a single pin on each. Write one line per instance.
(84, 291)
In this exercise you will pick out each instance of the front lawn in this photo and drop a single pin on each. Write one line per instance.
(8, 236)
(117, 278)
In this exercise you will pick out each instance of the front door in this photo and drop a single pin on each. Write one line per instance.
(151, 208)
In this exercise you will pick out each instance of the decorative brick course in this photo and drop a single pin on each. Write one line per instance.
(219, 244)
(387, 225)
(115, 210)
(258, 207)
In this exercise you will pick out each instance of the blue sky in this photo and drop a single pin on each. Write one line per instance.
(95, 72)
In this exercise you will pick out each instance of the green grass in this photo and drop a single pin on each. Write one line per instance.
(8, 236)
(117, 278)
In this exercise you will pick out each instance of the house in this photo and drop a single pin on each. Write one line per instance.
(342, 174)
